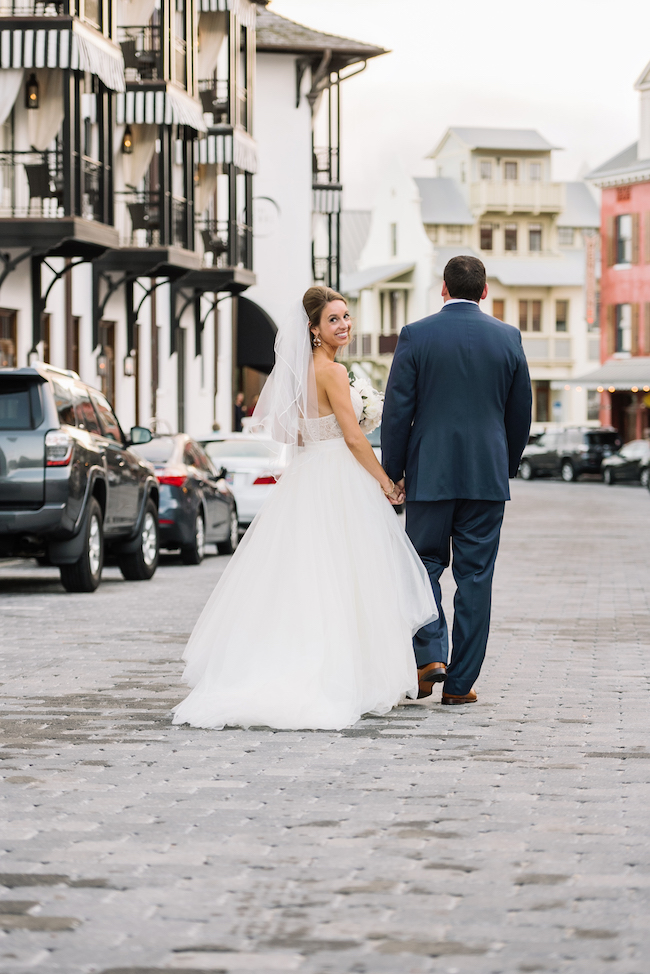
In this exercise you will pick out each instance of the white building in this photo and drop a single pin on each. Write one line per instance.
(493, 197)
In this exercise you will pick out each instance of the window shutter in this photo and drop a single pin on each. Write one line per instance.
(635, 329)
(610, 330)
(635, 238)
(610, 241)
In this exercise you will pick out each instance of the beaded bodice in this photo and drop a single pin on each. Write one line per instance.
(327, 427)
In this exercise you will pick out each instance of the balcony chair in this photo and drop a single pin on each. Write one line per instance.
(40, 182)
(213, 244)
(143, 216)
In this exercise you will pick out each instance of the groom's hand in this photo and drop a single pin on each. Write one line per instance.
(400, 493)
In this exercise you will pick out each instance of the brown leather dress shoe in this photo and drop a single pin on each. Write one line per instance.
(432, 673)
(450, 699)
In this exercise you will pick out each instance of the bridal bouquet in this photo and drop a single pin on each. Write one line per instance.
(373, 403)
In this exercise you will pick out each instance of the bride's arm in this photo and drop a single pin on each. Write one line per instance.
(337, 386)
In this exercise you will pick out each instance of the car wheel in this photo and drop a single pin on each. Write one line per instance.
(608, 476)
(567, 472)
(645, 477)
(526, 471)
(140, 565)
(228, 546)
(86, 573)
(192, 554)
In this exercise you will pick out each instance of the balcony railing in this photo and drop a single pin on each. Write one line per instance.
(34, 8)
(215, 99)
(231, 244)
(325, 165)
(142, 222)
(515, 197)
(143, 56)
(31, 184)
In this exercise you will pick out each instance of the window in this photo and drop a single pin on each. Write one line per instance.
(7, 339)
(109, 424)
(561, 315)
(623, 327)
(510, 170)
(393, 240)
(454, 235)
(498, 309)
(486, 236)
(593, 404)
(45, 336)
(485, 170)
(85, 414)
(393, 299)
(432, 233)
(530, 315)
(64, 400)
(511, 236)
(624, 239)
(535, 171)
(565, 236)
(542, 402)
(366, 345)
(534, 237)
(15, 411)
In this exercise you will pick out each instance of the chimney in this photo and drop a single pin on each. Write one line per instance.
(643, 87)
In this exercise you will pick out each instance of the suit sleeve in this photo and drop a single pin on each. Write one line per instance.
(518, 413)
(399, 408)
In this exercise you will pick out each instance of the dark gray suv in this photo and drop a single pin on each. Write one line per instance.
(70, 487)
(569, 453)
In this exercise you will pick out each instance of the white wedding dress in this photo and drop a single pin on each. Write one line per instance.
(311, 623)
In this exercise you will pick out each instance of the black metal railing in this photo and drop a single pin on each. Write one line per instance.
(151, 222)
(231, 244)
(215, 99)
(325, 271)
(325, 165)
(31, 184)
(35, 8)
(143, 56)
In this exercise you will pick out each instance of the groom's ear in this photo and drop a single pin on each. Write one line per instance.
(485, 293)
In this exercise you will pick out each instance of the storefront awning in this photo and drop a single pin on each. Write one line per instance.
(617, 374)
(71, 45)
(256, 333)
(225, 147)
(162, 106)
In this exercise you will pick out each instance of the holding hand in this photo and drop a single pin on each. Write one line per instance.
(394, 492)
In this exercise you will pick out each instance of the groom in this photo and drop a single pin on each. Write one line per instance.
(456, 420)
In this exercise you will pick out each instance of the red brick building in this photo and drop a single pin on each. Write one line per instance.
(624, 376)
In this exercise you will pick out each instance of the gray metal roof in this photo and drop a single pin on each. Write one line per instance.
(284, 36)
(442, 202)
(353, 283)
(580, 209)
(565, 271)
(509, 140)
(355, 227)
(621, 373)
(625, 163)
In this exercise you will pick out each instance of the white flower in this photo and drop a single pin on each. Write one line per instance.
(373, 404)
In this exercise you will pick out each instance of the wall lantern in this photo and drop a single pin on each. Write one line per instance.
(102, 363)
(127, 141)
(129, 363)
(31, 92)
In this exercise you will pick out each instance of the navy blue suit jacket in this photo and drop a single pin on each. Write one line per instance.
(458, 406)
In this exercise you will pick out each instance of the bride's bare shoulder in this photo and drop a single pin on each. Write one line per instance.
(332, 371)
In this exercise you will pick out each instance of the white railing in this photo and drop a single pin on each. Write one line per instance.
(511, 196)
(542, 348)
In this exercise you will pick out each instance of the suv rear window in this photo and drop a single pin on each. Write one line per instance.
(602, 438)
(20, 405)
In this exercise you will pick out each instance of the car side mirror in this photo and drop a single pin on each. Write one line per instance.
(222, 473)
(140, 434)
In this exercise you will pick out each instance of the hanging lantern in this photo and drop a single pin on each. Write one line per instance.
(31, 92)
(127, 141)
(102, 363)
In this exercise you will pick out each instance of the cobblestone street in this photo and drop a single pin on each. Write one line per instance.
(511, 836)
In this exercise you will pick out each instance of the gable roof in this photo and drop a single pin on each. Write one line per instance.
(442, 202)
(508, 140)
(580, 208)
(625, 167)
(283, 36)
(355, 227)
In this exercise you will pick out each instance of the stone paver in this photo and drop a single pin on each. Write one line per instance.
(512, 836)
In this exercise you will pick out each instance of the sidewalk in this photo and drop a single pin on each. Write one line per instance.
(510, 836)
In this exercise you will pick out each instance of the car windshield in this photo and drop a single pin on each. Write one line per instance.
(159, 450)
(218, 449)
(598, 438)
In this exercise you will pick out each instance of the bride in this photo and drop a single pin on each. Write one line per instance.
(310, 625)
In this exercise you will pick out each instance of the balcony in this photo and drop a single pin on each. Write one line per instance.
(143, 56)
(215, 100)
(33, 184)
(230, 244)
(144, 223)
(551, 351)
(34, 8)
(515, 197)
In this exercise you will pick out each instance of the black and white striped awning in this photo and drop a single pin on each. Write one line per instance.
(226, 147)
(159, 107)
(244, 9)
(327, 199)
(71, 45)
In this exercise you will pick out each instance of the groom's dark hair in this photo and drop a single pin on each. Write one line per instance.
(465, 278)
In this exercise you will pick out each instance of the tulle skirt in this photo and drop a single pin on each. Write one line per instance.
(311, 624)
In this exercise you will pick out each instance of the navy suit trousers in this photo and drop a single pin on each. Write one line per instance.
(470, 529)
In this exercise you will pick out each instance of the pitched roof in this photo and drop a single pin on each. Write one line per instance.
(442, 202)
(353, 283)
(620, 373)
(508, 140)
(283, 36)
(355, 227)
(567, 270)
(624, 167)
(580, 209)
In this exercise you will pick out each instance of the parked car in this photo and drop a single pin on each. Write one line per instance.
(569, 453)
(253, 466)
(196, 505)
(632, 462)
(71, 487)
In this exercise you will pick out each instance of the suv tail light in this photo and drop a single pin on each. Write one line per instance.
(171, 479)
(265, 479)
(58, 448)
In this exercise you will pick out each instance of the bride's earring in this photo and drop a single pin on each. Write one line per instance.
(315, 341)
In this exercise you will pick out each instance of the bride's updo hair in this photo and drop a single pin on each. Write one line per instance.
(316, 299)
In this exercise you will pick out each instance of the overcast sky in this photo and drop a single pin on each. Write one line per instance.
(564, 67)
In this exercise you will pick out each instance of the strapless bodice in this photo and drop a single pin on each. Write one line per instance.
(327, 427)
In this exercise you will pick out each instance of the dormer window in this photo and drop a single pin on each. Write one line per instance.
(485, 169)
(510, 170)
(535, 171)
